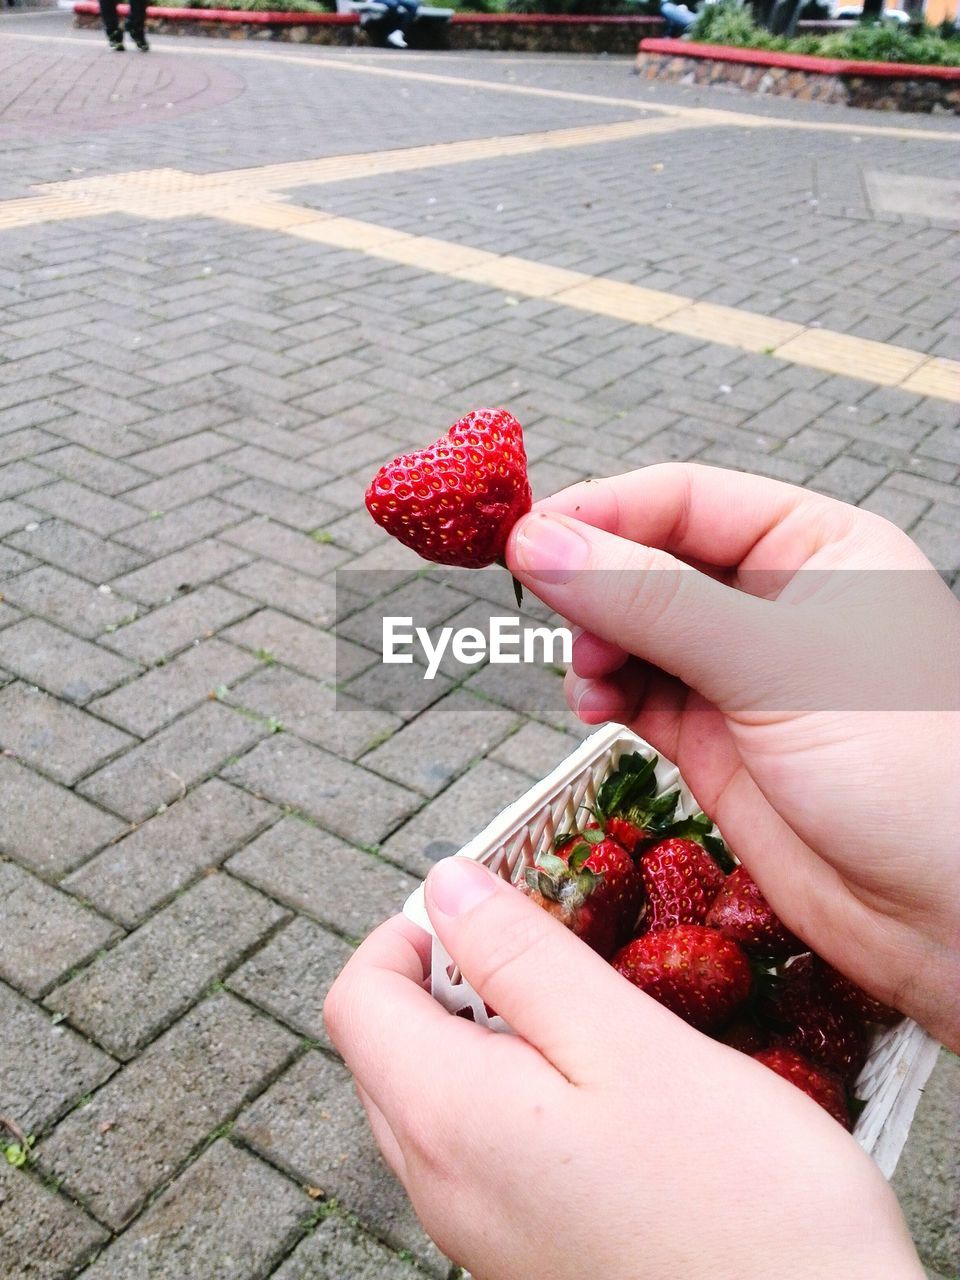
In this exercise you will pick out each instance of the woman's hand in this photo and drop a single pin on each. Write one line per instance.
(607, 1138)
(799, 660)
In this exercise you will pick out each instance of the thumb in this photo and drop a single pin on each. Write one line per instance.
(716, 639)
(551, 988)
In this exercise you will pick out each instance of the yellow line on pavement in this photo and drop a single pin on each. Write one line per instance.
(705, 116)
(824, 349)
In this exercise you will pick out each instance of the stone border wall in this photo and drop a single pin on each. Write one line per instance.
(880, 87)
(538, 33)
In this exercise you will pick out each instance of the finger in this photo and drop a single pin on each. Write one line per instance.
(386, 1139)
(593, 657)
(714, 638)
(563, 998)
(404, 1049)
(702, 513)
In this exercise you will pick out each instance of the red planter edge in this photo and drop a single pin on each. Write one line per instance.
(798, 61)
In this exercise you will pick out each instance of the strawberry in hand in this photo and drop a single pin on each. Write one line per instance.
(456, 501)
(681, 881)
(740, 911)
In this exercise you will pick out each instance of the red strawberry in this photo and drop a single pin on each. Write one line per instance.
(456, 501)
(820, 1085)
(744, 1034)
(681, 880)
(595, 890)
(625, 832)
(804, 1019)
(841, 991)
(740, 911)
(696, 972)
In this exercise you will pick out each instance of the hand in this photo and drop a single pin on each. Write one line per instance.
(607, 1138)
(747, 629)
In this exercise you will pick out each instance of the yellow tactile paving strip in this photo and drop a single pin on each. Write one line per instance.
(251, 197)
(703, 116)
(817, 348)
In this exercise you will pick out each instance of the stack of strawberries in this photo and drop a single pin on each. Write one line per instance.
(663, 901)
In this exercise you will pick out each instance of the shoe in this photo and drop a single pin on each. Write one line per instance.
(396, 39)
(115, 41)
(139, 39)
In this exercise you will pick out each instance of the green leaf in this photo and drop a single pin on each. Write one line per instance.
(578, 857)
(719, 852)
(561, 842)
(550, 863)
(634, 778)
(593, 836)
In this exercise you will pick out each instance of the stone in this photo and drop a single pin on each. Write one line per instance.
(70, 602)
(45, 932)
(338, 1249)
(343, 798)
(535, 749)
(228, 1217)
(180, 571)
(315, 873)
(53, 736)
(45, 1067)
(44, 826)
(134, 990)
(73, 669)
(76, 550)
(135, 1133)
(133, 877)
(160, 695)
(45, 1237)
(162, 769)
(310, 1123)
(290, 976)
(190, 617)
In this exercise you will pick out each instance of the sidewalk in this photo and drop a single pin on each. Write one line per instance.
(199, 371)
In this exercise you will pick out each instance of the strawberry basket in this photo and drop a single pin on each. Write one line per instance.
(900, 1057)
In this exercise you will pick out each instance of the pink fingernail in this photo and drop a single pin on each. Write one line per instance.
(548, 548)
(456, 885)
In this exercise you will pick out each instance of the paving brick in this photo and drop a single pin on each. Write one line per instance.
(297, 645)
(75, 550)
(136, 989)
(12, 562)
(317, 874)
(456, 816)
(157, 1110)
(17, 478)
(293, 773)
(430, 752)
(130, 879)
(181, 487)
(70, 602)
(167, 577)
(44, 1067)
(106, 475)
(927, 1180)
(183, 453)
(45, 1237)
(314, 711)
(311, 1123)
(157, 697)
(160, 770)
(14, 516)
(224, 1239)
(535, 749)
(265, 538)
(44, 826)
(939, 543)
(73, 669)
(298, 510)
(263, 465)
(285, 589)
(45, 932)
(849, 478)
(338, 1249)
(176, 529)
(53, 736)
(85, 507)
(904, 509)
(187, 619)
(290, 976)
(112, 439)
(26, 444)
(8, 616)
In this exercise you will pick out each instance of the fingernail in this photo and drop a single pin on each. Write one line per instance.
(456, 885)
(548, 548)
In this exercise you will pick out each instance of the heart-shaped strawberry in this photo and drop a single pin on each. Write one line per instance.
(456, 501)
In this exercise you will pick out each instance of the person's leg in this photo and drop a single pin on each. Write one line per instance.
(136, 21)
(111, 24)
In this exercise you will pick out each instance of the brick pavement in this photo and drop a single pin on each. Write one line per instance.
(189, 411)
